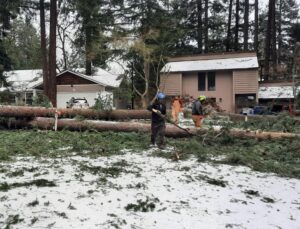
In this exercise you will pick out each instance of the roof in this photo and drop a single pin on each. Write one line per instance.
(210, 65)
(20, 80)
(282, 92)
(26, 80)
(100, 76)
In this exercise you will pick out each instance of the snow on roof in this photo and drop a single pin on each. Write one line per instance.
(283, 92)
(100, 76)
(106, 78)
(207, 65)
(20, 80)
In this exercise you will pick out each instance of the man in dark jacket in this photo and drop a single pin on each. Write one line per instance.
(197, 110)
(158, 122)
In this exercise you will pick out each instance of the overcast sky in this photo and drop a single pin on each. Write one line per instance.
(265, 2)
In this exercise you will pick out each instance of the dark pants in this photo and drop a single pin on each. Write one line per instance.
(158, 133)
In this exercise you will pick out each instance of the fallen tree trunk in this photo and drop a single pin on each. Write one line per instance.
(28, 112)
(240, 117)
(171, 131)
(32, 112)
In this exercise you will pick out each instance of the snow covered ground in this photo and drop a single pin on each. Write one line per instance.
(140, 190)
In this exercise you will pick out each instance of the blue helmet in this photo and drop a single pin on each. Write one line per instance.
(160, 95)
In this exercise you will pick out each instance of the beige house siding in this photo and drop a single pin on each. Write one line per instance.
(223, 93)
(171, 84)
(80, 88)
(245, 81)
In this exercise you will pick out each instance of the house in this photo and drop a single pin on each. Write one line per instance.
(280, 93)
(231, 79)
(69, 84)
(19, 84)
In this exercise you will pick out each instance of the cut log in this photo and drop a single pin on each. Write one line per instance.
(261, 118)
(171, 131)
(32, 112)
(27, 112)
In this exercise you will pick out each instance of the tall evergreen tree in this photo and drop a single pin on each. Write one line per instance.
(246, 24)
(256, 29)
(8, 11)
(52, 53)
(228, 38)
(200, 26)
(237, 25)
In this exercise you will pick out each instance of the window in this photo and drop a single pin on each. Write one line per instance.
(211, 80)
(201, 81)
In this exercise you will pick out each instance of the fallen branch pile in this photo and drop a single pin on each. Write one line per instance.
(43, 118)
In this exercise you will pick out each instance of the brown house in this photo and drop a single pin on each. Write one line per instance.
(231, 79)
(75, 84)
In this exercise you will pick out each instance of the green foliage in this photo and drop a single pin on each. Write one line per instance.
(6, 97)
(53, 144)
(23, 45)
(39, 183)
(104, 102)
(281, 156)
(41, 100)
(282, 123)
(298, 101)
(143, 206)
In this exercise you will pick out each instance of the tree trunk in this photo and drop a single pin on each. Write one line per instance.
(31, 112)
(246, 25)
(256, 26)
(237, 25)
(145, 98)
(52, 53)
(279, 33)
(171, 131)
(268, 40)
(199, 26)
(206, 27)
(88, 51)
(44, 48)
(274, 41)
(228, 39)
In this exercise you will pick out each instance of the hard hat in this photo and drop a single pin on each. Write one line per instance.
(160, 95)
(202, 97)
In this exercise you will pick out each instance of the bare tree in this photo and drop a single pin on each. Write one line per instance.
(64, 36)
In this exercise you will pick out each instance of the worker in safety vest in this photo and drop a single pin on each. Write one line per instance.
(176, 109)
(197, 110)
(158, 123)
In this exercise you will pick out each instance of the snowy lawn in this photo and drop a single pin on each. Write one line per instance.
(140, 190)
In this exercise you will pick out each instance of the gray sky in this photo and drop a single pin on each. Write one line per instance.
(265, 2)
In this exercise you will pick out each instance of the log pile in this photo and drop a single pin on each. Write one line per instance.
(42, 118)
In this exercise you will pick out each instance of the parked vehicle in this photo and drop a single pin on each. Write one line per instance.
(78, 103)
